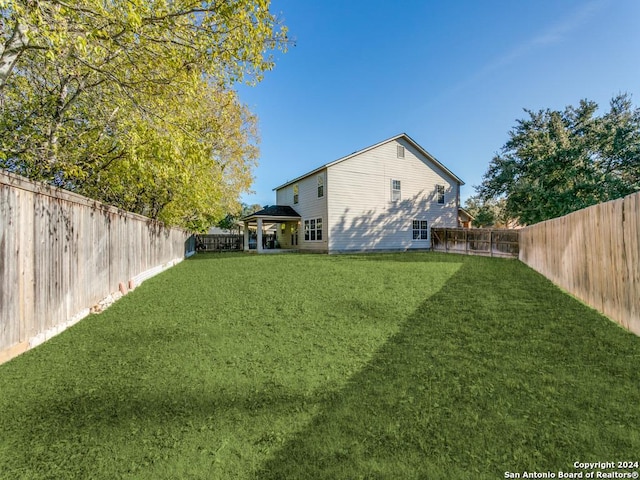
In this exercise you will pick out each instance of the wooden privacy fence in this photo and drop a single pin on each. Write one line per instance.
(594, 254)
(476, 241)
(62, 254)
(219, 242)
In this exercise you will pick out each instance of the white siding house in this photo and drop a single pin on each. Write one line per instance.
(385, 197)
(310, 201)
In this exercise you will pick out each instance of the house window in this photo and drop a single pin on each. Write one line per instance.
(320, 186)
(295, 193)
(313, 229)
(420, 230)
(395, 190)
(400, 151)
(440, 193)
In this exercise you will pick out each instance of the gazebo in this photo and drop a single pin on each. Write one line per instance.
(288, 221)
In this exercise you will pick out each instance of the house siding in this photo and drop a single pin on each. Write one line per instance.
(309, 206)
(361, 214)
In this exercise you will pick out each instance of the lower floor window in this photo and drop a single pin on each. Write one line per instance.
(313, 229)
(420, 231)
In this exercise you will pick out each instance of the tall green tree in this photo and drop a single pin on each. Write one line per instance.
(556, 162)
(132, 102)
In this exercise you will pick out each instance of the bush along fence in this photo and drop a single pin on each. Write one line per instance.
(594, 254)
(476, 241)
(63, 255)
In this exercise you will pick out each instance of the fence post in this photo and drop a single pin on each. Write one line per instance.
(466, 243)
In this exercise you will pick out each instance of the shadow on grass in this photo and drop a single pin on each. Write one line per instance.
(498, 372)
(130, 397)
(137, 433)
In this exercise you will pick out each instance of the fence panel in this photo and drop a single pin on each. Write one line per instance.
(594, 254)
(476, 241)
(61, 254)
(220, 242)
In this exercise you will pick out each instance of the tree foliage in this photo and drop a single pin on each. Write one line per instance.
(488, 212)
(132, 102)
(143, 42)
(231, 221)
(558, 162)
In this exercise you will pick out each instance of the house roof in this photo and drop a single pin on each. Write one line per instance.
(274, 212)
(466, 212)
(401, 135)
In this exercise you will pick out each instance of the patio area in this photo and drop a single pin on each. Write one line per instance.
(276, 230)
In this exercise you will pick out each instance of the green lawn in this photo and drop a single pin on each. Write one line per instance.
(407, 366)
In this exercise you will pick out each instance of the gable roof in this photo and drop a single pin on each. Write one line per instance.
(466, 212)
(399, 136)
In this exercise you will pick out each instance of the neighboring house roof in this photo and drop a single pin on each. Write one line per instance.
(274, 211)
(401, 135)
(465, 212)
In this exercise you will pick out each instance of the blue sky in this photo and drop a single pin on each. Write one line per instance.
(454, 75)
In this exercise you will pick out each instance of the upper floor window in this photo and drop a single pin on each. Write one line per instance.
(440, 193)
(295, 193)
(395, 190)
(320, 186)
(400, 151)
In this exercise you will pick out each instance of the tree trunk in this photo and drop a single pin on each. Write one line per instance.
(10, 52)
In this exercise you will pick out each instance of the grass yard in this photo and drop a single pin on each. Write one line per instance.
(407, 366)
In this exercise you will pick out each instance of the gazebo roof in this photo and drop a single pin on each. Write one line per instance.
(274, 212)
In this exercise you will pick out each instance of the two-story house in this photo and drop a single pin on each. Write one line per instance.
(384, 197)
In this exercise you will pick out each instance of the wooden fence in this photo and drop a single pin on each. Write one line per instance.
(219, 242)
(594, 254)
(476, 241)
(61, 254)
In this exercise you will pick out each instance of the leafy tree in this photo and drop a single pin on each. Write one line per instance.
(483, 214)
(249, 209)
(488, 212)
(187, 170)
(230, 221)
(142, 43)
(131, 102)
(558, 162)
